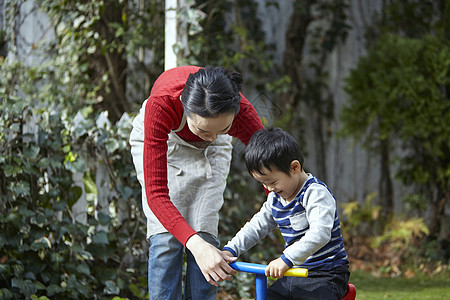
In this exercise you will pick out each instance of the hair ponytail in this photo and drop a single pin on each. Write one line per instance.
(212, 91)
(236, 78)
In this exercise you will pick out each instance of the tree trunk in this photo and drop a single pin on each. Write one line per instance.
(111, 62)
(385, 185)
(295, 42)
(436, 222)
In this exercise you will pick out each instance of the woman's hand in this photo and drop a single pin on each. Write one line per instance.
(212, 262)
(276, 268)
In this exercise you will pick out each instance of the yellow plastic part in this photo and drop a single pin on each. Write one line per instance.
(297, 272)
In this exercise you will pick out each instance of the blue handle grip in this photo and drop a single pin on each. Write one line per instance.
(260, 269)
(249, 267)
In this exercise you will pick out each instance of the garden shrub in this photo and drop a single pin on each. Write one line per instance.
(43, 250)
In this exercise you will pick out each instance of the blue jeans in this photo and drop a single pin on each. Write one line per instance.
(318, 285)
(165, 270)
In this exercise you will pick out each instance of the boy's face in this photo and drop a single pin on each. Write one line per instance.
(281, 183)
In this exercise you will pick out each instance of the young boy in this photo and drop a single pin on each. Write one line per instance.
(304, 210)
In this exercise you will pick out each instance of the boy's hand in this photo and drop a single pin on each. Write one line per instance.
(276, 268)
(228, 256)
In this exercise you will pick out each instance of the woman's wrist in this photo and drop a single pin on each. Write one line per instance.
(193, 240)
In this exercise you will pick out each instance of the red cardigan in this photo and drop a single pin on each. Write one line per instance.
(163, 113)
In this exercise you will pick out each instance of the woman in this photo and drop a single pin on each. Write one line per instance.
(181, 147)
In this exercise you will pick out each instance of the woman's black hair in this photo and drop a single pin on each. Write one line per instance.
(212, 91)
(272, 148)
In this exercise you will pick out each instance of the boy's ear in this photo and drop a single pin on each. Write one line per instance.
(296, 167)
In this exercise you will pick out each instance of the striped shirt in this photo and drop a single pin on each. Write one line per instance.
(309, 225)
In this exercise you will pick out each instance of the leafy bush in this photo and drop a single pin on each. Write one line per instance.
(396, 250)
(44, 251)
(408, 104)
(400, 233)
(360, 219)
(43, 254)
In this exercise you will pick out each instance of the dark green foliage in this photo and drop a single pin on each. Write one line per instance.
(42, 250)
(42, 254)
(399, 91)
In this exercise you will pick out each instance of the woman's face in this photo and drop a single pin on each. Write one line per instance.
(209, 128)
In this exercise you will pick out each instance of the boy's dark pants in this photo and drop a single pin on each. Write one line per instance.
(318, 286)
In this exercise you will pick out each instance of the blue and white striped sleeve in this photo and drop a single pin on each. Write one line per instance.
(260, 225)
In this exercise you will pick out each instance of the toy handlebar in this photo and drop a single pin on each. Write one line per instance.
(260, 269)
(261, 279)
(296, 272)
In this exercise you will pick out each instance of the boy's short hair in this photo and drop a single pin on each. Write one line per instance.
(272, 148)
